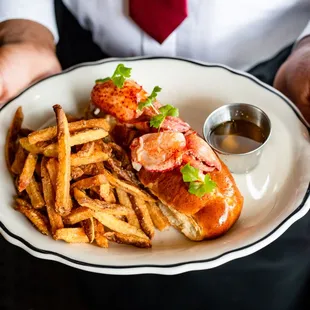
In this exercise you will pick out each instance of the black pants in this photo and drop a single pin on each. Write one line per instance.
(276, 277)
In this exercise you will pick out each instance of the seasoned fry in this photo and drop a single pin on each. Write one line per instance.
(87, 149)
(113, 209)
(124, 200)
(85, 201)
(51, 132)
(128, 239)
(71, 235)
(87, 135)
(34, 192)
(90, 169)
(48, 193)
(93, 158)
(106, 193)
(117, 225)
(123, 197)
(19, 160)
(52, 168)
(62, 204)
(76, 172)
(100, 146)
(76, 139)
(35, 217)
(78, 215)
(130, 189)
(31, 148)
(158, 218)
(120, 154)
(22, 202)
(89, 228)
(51, 150)
(141, 210)
(86, 183)
(126, 175)
(100, 239)
(12, 135)
(27, 172)
(100, 167)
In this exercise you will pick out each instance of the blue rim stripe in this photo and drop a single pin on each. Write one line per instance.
(71, 260)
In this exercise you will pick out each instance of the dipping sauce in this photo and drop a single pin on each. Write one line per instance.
(237, 136)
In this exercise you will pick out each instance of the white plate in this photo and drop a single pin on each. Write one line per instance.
(275, 192)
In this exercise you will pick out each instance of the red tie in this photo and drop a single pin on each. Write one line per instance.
(158, 18)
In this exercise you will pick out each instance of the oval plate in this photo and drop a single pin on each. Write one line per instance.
(275, 192)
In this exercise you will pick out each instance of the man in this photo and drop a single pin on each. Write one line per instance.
(241, 33)
(237, 33)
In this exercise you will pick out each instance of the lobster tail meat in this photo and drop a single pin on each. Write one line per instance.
(161, 151)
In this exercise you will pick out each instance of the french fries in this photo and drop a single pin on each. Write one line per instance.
(12, 135)
(139, 205)
(71, 235)
(77, 138)
(128, 188)
(158, 218)
(27, 172)
(85, 201)
(22, 202)
(52, 168)
(76, 172)
(87, 149)
(96, 180)
(62, 204)
(19, 160)
(104, 191)
(35, 217)
(117, 225)
(128, 239)
(31, 148)
(89, 169)
(48, 192)
(51, 132)
(75, 185)
(100, 239)
(89, 228)
(78, 215)
(35, 195)
(95, 157)
(124, 199)
(99, 206)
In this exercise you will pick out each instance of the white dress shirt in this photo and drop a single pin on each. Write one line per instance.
(238, 33)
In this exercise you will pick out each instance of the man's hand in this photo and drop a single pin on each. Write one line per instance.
(27, 54)
(293, 77)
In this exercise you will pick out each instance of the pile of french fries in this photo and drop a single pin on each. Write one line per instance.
(75, 184)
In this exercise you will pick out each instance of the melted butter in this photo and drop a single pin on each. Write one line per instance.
(237, 136)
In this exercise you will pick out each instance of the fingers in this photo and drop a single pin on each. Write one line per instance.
(21, 65)
(293, 80)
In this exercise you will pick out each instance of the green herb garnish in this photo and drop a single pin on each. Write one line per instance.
(119, 76)
(103, 80)
(150, 99)
(166, 110)
(197, 185)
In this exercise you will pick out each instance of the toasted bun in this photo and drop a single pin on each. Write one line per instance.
(197, 218)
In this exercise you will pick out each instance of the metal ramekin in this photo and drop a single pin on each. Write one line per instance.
(243, 162)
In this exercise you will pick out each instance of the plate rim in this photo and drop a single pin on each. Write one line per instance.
(285, 224)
